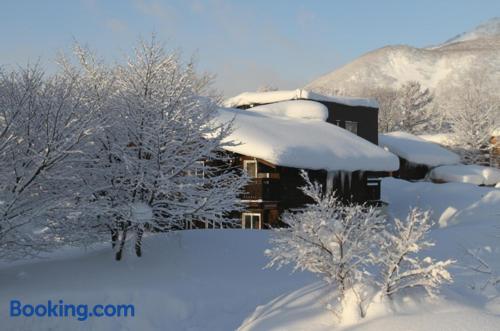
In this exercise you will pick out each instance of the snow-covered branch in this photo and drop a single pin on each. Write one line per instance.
(327, 237)
(401, 268)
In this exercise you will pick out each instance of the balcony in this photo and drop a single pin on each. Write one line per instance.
(265, 189)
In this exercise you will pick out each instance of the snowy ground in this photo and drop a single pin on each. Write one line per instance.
(197, 280)
(213, 280)
(467, 218)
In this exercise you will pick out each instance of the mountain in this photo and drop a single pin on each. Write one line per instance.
(436, 67)
(488, 29)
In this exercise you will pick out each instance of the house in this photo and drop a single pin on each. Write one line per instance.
(277, 134)
(416, 155)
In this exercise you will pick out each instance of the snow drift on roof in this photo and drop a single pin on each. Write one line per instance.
(417, 150)
(445, 139)
(251, 98)
(304, 109)
(303, 143)
(473, 174)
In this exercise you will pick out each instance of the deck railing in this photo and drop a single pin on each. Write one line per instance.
(265, 189)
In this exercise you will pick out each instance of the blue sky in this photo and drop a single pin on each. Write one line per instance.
(246, 43)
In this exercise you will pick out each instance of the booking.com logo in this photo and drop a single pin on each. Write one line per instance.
(60, 310)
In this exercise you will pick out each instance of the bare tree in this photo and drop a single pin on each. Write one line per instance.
(44, 122)
(328, 238)
(406, 108)
(474, 113)
(401, 268)
(412, 101)
(389, 115)
(267, 88)
(159, 163)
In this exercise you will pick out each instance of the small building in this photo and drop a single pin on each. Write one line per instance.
(416, 155)
(277, 134)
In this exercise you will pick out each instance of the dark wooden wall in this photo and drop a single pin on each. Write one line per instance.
(410, 171)
(366, 117)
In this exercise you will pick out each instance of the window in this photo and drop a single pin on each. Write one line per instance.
(351, 126)
(250, 167)
(250, 221)
(198, 170)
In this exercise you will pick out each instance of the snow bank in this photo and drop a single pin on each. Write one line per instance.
(473, 174)
(192, 280)
(303, 109)
(251, 98)
(472, 214)
(450, 203)
(304, 309)
(302, 143)
(417, 150)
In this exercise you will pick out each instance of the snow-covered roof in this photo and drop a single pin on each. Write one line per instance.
(445, 139)
(303, 109)
(417, 150)
(281, 134)
(461, 173)
(251, 98)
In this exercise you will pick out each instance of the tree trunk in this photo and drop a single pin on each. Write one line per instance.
(138, 242)
(119, 253)
(114, 237)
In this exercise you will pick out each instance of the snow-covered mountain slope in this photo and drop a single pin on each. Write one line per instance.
(434, 67)
(488, 29)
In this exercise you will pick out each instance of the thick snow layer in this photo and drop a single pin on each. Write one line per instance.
(444, 139)
(467, 217)
(251, 98)
(301, 143)
(473, 174)
(304, 310)
(304, 109)
(202, 280)
(417, 150)
(212, 279)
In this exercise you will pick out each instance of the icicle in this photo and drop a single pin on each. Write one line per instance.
(329, 181)
(342, 181)
(360, 175)
(349, 178)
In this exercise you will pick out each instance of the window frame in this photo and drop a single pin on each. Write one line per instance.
(251, 214)
(246, 162)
